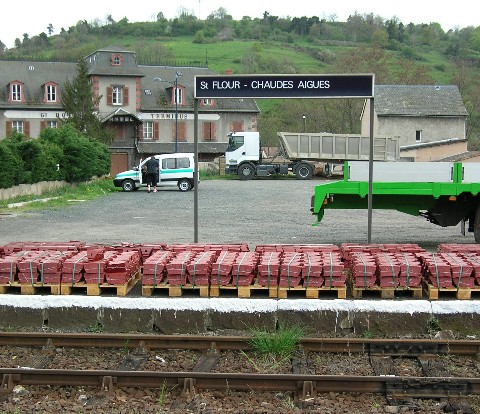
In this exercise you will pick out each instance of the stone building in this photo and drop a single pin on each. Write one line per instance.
(149, 106)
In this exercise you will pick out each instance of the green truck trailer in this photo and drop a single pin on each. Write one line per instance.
(445, 193)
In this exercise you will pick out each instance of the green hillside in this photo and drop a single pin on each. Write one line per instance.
(394, 52)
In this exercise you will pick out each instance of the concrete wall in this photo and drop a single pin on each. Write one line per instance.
(434, 152)
(30, 189)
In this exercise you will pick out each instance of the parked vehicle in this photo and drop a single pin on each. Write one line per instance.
(300, 152)
(174, 170)
(445, 193)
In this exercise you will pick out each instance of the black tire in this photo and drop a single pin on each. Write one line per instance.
(476, 226)
(128, 185)
(246, 171)
(304, 171)
(184, 185)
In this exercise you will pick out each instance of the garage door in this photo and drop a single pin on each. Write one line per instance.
(119, 163)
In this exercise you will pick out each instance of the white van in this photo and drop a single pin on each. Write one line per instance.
(175, 170)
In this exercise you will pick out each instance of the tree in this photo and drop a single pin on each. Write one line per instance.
(50, 29)
(79, 103)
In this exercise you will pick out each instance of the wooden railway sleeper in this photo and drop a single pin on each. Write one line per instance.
(426, 388)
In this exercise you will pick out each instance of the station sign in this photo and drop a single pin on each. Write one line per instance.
(284, 86)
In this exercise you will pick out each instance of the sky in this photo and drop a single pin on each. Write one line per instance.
(38, 15)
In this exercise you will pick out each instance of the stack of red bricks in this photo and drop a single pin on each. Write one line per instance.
(32, 267)
(301, 265)
(446, 270)
(244, 268)
(200, 268)
(122, 267)
(221, 274)
(154, 267)
(383, 265)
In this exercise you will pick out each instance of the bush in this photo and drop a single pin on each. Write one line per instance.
(58, 154)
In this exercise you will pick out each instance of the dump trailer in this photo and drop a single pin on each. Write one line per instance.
(445, 193)
(299, 152)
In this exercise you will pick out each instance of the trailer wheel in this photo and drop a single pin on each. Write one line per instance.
(246, 171)
(304, 171)
(476, 226)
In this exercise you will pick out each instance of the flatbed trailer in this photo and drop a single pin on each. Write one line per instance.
(445, 193)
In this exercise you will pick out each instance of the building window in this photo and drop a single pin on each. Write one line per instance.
(418, 136)
(17, 126)
(16, 95)
(52, 124)
(207, 102)
(117, 60)
(51, 93)
(148, 130)
(117, 95)
(178, 96)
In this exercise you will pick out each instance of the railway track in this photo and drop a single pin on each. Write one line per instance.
(378, 362)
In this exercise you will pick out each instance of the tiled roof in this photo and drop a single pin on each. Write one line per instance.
(419, 100)
(35, 74)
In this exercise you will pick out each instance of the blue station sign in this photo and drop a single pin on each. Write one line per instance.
(284, 86)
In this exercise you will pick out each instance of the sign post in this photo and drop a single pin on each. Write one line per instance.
(287, 86)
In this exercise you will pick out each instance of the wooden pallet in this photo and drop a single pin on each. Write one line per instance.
(387, 292)
(94, 289)
(175, 290)
(312, 292)
(434, 292)
(29, 289)
(243, 291)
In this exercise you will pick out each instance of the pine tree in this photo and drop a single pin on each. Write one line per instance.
(79, 103)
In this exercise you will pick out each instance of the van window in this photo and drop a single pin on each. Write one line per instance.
(174, 163)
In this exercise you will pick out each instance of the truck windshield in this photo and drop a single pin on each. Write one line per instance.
(235, 142)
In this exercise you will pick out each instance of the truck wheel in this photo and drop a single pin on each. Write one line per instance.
(128, 185)
(184, 185)
(246, 171)
(304, 171)
(476, 226)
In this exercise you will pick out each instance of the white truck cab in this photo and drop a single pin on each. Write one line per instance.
(174, 170)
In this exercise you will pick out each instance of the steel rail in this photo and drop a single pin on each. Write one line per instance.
(393, 347)
(303, 385)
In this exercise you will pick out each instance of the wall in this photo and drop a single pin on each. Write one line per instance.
(29, 189)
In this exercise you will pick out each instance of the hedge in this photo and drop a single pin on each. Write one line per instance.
(58, 154)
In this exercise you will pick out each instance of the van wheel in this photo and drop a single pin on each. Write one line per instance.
(128, 185)
(184, 185)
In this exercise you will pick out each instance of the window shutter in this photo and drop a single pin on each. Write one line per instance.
(140, 131)
(213, 131)
(26, 128)
(156, 130)
(182, 131)
(109, 95)
(9, 128)
(43, 125)
(236, 126)
(125, 96)
(206, 131)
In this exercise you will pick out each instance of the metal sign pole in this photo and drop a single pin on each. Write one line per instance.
(370, 174)
(196, 172)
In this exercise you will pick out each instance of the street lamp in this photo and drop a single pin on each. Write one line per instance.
(178, 74)
(304, 123)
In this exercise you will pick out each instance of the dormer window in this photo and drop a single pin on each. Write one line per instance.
(16, 92)
(177, 96)
(117, 59)
(51, 92)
